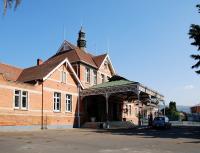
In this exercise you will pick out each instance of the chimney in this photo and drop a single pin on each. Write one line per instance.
(39, 61)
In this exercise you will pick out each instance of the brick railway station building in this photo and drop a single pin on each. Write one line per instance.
(69, 89)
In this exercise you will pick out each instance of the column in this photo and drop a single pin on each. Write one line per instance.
(139, 113)
(107, 110)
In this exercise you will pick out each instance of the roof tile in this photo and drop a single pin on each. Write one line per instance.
(10, 72)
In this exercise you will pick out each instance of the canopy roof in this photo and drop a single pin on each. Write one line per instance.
(121, 86)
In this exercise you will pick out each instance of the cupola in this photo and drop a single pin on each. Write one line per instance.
(81, 42)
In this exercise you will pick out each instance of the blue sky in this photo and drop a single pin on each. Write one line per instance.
(148, 40)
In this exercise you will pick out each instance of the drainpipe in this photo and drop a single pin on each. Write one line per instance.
(78, 114)
(42, 118)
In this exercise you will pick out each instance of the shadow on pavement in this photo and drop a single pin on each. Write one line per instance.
(174, 132)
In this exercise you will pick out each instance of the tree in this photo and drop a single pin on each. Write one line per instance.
(9, 4)
(172, 106)
(171, 111)
(194, 33)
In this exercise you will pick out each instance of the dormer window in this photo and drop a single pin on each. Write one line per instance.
(87, 75)
(63, 77)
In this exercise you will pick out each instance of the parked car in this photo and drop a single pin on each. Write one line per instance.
(161, 122)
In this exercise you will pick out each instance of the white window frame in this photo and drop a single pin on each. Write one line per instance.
(95, 77)
(102, 78)
(21, 96)
(26, 98)
(63, 77)
(87, 74)
(68, 102)
(56, 97)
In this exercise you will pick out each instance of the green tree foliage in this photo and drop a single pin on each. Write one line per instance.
(194, 33)
(172, 112)
(10, 4)
(172, 106)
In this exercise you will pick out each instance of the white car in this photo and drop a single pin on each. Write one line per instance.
(161, 122)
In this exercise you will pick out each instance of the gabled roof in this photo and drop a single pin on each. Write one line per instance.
(99, 59)
(40, 71)
(43, 71)
(66, 51)
(10, 72)
(75, 54)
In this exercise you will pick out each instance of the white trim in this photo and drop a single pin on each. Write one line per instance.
(54, 80)
(30, 110)
(86, 74)
(96, 77)
(107, 57)
(62, 45)
(71, 68)
(60, 101)
(48, 115)
(66, 103)
(6, 108)
(14, 99)
(21, 99)
(13, 88)
(58, 81)
(61, 91)
(21, 107)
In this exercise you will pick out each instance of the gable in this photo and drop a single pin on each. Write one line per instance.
(64, 65)
(56, 76)
(106, 67)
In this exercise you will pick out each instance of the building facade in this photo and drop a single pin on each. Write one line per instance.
(47, 95)
(195, 109)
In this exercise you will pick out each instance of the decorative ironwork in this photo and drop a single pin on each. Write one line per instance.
(138, 89)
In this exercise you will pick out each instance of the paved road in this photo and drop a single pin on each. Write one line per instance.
(175, 140)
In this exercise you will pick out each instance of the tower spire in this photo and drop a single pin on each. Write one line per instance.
(81, 42)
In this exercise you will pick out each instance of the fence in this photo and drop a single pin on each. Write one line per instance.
(184, 123)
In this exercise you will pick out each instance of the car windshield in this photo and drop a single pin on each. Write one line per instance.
(159, 119)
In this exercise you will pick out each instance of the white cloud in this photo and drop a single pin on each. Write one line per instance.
(189, 87)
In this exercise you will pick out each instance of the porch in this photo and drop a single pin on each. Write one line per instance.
(115, 101)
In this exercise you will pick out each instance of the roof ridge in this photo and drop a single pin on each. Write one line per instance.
(101, 54)
(11, 65)
(77, 53)
(70, 44)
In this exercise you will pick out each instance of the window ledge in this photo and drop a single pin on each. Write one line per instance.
(56, 111)
(16, 108)
(20, 109)
(70, 112)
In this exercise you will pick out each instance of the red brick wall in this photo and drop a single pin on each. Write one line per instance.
(11, 117)
(195, 109)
